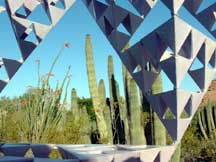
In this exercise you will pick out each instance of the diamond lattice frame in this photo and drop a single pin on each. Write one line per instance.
(187, 45)
(23, 27)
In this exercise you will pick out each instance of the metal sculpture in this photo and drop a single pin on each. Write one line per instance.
(23, 27)
(186, 42)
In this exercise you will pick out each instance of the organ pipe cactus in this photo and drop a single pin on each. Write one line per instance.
(118, 130)
(158, 127)
(94, 91)
(86, 130)
(106, 110)
(110, 77)
(136, 130)
(74, 104)
(206, 121)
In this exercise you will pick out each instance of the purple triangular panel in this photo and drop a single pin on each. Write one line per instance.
(163, 107)
(139, 54)
(157, 159)
(108, 28)
(26, 48)
(149, 43)
(198, 76)
(132, 22)
(154, 101)
(171, 125)
(186, 49)
(176, 100)
(192, 5)
(118, 40)
(213, 60)
(2, 84)
(166, 33)
(129, 61)
(11, 66)
(100, 8)
(169, 67)
(20, 29)
(141, 6)
(116, 15)
(206, 16)
(188, 107)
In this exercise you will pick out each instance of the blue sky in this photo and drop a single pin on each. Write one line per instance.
(76, 23)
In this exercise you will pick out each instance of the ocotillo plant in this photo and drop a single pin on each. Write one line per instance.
(94, 91)
(106, 110)
(42, 108)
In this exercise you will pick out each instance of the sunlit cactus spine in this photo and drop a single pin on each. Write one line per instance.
(136, 129)
(102, 128)
(106, 110)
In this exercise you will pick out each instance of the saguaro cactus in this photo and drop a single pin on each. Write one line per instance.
(136, 130)
(94, 91)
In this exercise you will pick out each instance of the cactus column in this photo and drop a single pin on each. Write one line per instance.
(159, 129)
(74, 104)
(94, 91)
(136, 130)
(106, 110)
(115, 106)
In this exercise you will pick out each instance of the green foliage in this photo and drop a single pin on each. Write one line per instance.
(198, 144)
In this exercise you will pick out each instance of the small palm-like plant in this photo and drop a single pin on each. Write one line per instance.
(41, 110)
